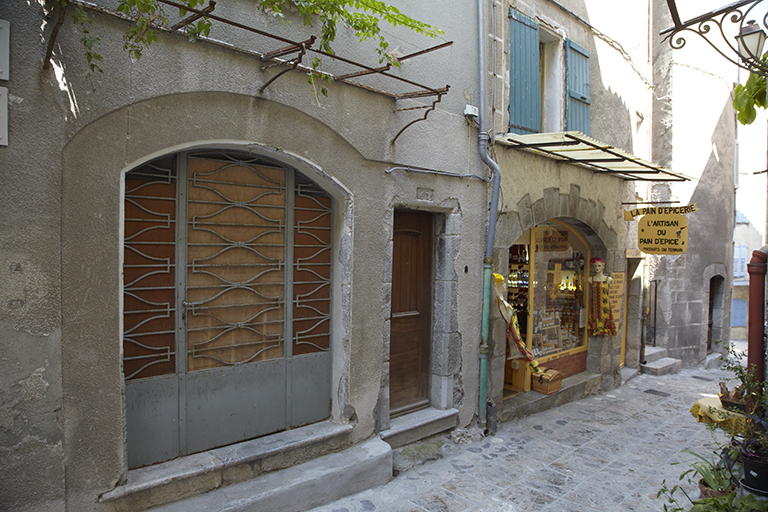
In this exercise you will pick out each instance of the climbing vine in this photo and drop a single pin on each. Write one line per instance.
(364, 17)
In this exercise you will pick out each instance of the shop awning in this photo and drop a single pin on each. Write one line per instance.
(577, 148)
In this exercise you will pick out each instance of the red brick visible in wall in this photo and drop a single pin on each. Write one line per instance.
(569, 365)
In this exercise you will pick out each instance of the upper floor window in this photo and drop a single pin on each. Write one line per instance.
(536, 80)
(740, 261)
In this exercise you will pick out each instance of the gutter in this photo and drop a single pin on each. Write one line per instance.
(755, 327)
(488, 260)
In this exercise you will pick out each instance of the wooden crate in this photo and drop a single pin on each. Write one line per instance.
(547, 382)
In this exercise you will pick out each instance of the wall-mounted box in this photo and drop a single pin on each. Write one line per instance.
(3, 116)
(5, 50)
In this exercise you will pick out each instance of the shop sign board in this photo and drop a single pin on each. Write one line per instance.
(663, 234)
(616, 294)
(551, 240)
(660, 210)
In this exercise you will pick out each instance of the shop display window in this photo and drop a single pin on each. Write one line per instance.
(547, 285)
(560, 269)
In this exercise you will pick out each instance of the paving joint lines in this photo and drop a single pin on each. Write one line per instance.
(607, 452)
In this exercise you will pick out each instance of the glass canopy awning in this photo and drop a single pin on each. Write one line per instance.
(577, 148)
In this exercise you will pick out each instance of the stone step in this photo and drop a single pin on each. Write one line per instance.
(654, 354)
(572, 389)
(220, 468)
(663, 366)
(419, 425)
(300, 487)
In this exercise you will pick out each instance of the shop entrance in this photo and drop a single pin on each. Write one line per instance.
(546, 284)
(411, 317)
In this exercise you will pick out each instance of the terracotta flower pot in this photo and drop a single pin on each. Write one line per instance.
(708, 492)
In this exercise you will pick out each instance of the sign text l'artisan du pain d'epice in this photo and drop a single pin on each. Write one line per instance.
(662, 230)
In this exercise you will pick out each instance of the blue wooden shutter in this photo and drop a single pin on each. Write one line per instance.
(740, 261)
(524, 81)
(738, 313)
(577, 114)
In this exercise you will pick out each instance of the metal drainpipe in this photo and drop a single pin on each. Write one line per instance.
(756, 345)
(483, 137)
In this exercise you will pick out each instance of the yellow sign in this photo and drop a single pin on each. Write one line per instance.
(662, 234)
(660, 210)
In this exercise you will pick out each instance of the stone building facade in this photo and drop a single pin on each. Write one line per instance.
(336, 306)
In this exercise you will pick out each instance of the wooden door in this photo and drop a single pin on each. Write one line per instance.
(410, 336)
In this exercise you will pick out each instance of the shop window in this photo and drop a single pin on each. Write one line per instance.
(547, 286)
(536, 78)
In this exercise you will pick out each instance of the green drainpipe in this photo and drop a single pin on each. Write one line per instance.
(487, 268)
(482, 35)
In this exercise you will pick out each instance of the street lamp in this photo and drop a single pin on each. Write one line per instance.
(751, 40)
(727, 31)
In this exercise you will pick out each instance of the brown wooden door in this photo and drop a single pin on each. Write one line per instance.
(411, 312)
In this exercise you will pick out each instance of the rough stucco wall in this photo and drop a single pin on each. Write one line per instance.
(184, 95)
(32, 467)
(365, 343)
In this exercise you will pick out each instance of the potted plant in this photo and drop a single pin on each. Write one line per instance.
(725, 503)
(716, 473)
(753, 443)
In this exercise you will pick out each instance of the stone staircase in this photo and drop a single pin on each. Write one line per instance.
(657, 362)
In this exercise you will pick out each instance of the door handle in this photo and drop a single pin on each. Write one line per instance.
(187, 304)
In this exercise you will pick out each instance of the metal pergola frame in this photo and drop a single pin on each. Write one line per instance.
(579, 149)
(289, 56)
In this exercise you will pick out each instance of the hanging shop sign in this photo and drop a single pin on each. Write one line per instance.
(663, 234)
(660, 210)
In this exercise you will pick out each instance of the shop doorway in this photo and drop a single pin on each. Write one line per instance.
(226, 303)
(411, 313)
(546, 285)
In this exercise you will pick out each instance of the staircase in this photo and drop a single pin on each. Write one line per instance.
(657, 362)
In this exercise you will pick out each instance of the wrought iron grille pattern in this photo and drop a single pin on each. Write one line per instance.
(312, 269)
(235, 262)
(229, 306)
(149, 271)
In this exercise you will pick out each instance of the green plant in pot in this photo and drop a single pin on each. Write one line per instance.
(715, 474)
(753, 444)
(725, 503)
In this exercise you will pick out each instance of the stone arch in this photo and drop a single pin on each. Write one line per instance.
(93, 164)
(588, 218)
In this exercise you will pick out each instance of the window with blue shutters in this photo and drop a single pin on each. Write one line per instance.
(525, 83)
(536, 80)
(577, 79)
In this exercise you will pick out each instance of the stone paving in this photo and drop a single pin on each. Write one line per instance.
(607, 452)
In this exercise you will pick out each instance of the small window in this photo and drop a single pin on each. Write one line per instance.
(536, 80)
(740, 261)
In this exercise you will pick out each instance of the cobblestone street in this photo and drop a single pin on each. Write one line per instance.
(608, 452)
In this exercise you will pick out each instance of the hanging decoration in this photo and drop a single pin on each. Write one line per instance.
(510, 318)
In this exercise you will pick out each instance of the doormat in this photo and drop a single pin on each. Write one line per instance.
(656, 392)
